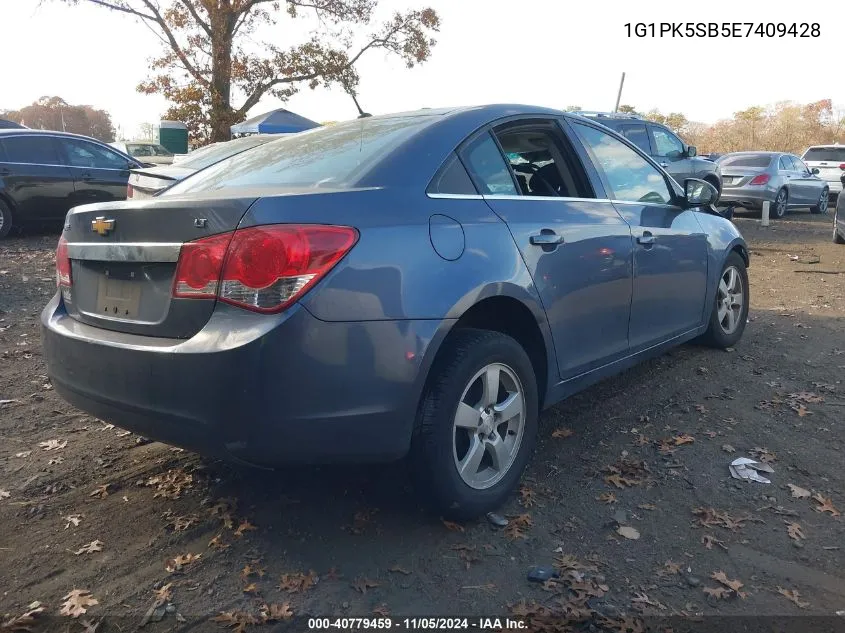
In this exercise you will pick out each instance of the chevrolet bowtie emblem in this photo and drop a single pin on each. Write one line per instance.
(101, 225)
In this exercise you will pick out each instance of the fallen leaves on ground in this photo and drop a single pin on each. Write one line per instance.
(74, 519)
(517, 526)
(93, 546)
(728, 448)
(52, 445)
(562, 433)
(709, 517)
(218, 544)
(569, 563)
(251, 588)
(607, 497)
(253, 569)
(76, 603)
(4, 494)
(733, 585)
(626, 473)
(647, 506)
(236, 620)
(641, 600)
(798, 492)
(276, 612)
(361, 584)
(467, 553)
(794, 597)
(101, 492)
(164, 593)
(794, 531)
(25, 621)
(763, 454)
(171, 484)
(709, 541)
(527, 496)
(381, 610)
(297, 582)
(628, 532)
(396, 569)
(452, 526)
(825, 505)
(178, 563)
(669, 568)
(245, 526)
(720, 593)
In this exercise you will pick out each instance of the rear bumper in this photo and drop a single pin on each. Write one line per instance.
(747, 197)
(264, 390)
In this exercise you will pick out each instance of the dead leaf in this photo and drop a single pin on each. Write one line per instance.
(527, 496)
(72, 519)
(101, 492)
(718, 592)
(399, 570)
(452, 526)
(680, 440)
(562, 433)
(710, 517)
(180, 562)
(236, 620)
(735, 585)
(25, 621)
(801, 410)
(641, 598)
(669, 569)
(806, 396)
(52, 445)
(794, 531)
(217, 543)
(728, 448)
(93, 546)
(798, 492)
(362, 584)
(23, 454)
(171, 484)
(245, 526)
(825, 505)
(276, 612)
(164, 593)
(710, 540)
(381, 610)
(647, 506)
(628, 532)
(298, 582)
(626, 473)
(4, 494)
(794, 597)
(607, 497)
(250, 570)
(762, 454)
(77, 602)
(517, 526)
(251, 588)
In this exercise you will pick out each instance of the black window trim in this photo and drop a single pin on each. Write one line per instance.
(673, 186)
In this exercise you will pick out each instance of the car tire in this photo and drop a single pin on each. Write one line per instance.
(837, 236)
(821, 207)
(729, 317)
(446, 438)
(779, 206)
(5, 219)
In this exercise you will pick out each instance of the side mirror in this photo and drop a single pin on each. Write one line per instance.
(815, 170)
(692, 150)
(699, 193)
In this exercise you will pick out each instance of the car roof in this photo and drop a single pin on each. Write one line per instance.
(29, 132)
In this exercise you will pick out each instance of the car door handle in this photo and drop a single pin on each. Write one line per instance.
(646, 239)
(545, 239)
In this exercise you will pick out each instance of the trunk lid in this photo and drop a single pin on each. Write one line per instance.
(739, 176)
(123, 258)
(145, 183)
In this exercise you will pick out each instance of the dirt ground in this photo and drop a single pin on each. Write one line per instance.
(629, 497)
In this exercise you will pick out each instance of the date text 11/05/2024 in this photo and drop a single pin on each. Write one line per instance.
(723, 29)
(416, 624)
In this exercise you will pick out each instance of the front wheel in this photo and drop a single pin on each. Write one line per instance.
(5, 219)
(730, 312)
(837, 237)
(821, 206)
(476, 424)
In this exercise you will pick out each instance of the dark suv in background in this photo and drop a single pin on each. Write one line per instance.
(662, 144)
(43, 174)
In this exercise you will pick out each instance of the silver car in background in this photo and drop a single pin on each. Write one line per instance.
(751, 178)
(830, 161)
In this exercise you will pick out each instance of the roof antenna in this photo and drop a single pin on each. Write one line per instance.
(351, 92)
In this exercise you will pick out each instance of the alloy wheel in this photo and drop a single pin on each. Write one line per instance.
(730, 300)
(823, 202)
(489, 426)
(780, 204)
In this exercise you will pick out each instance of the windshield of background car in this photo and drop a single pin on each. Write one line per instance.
(210, 155)
(747, 160)
(333, 156)
(826, 154)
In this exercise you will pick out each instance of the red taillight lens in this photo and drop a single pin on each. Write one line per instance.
(760, 179)
(264, 268)
(842, 166)
(63, 277)
(199, 267)
(129, 192)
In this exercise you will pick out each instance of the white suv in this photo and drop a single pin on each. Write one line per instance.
(830, 161)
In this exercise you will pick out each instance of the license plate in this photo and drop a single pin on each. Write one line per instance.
(118, 298)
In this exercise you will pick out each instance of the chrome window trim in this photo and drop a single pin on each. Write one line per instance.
(501, 196)
(455, 196)
(9, 162)
(125, 251)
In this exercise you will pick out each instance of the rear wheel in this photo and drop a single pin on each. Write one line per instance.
(730, 312)
(821, 207)
(837, 236)
(5, 219)
(779, 207)
(476, 424)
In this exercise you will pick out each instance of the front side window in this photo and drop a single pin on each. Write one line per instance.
(487, 166)
(37, 150)
(638, 135)
(630, 176)
(799, 164)
(79, 153)
(666, 144)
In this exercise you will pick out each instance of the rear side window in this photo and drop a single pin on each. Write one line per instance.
(139, 150)
(638, 135)
(826, 154)
(452, 178)
(753, 160)
(79, 153)
(330, 156)
(488, 167)
(785, 164)
(38, 150)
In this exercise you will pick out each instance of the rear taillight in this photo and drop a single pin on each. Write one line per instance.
(129, 191)
(263, 268)
(842, 166)
(63, 277)
(760, 179)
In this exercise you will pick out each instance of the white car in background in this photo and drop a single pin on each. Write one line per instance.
(830, 161)
(145, 151)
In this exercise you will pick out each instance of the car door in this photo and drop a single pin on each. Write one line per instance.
(670, 153)
(575, 244)
(100, 174)
(39, 185)
(670, 250)
(809, 184)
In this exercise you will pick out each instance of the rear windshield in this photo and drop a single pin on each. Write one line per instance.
(826, 154)
(203, 157)
(333, 156)
(747, 160)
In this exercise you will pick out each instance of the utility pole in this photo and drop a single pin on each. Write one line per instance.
(619, 94)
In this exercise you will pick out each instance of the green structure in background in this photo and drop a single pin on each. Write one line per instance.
(174, 136)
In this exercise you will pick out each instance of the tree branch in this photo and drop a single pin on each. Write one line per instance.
(174, 45)
(122, 9)
(195, 14)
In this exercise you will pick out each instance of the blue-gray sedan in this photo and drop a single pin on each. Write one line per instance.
(417, 284)
(751, 178)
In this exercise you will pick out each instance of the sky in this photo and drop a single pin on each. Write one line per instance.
(554, 53)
